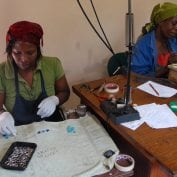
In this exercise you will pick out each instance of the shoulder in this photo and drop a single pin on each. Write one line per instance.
(146, 42)
(51, 65)
(146, 38)
(3, 65)
(49, 60)
(3, 76)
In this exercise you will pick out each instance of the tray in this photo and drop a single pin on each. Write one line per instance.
(18, 155)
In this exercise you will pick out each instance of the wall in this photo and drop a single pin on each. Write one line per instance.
(68, 35)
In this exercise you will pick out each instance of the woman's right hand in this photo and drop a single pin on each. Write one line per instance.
(162, 72)
(172, 59)
(7, 124)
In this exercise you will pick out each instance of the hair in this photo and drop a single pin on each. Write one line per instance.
(11, 44)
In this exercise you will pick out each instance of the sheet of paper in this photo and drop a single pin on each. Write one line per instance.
(133, 125)
(162, 118)
(158, 90)
(144, 111)
(69, 148)
(155, 116)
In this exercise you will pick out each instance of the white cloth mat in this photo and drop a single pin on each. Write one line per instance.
(70, 148)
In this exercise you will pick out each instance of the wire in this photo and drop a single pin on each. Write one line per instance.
(101, 26)
(107, 44)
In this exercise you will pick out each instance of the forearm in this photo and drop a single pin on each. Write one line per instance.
(62, 90)
(63, 96)
(2, 100)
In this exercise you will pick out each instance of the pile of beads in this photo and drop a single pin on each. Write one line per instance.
(71, 129)
(19, 157)
(43, 131)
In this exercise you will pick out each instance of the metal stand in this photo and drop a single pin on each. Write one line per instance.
(127, 113)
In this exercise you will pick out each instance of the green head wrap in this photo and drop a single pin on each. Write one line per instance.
(160, 13)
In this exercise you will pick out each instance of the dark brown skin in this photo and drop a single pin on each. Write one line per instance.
(165, 30)
(25, 56)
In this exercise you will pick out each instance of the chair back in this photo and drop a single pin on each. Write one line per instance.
(117, 64)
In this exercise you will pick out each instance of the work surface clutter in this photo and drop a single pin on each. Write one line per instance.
(74, 147)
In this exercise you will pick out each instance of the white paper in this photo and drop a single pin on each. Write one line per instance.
(163, 91)
(163, 117)
(144, 111)
(154, 115)
(133, 125)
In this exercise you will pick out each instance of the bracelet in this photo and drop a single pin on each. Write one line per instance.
(124, 163)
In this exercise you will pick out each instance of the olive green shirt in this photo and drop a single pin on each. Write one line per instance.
(51, 69)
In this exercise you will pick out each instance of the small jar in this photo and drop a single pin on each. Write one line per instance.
(81, 110)
(72, 114)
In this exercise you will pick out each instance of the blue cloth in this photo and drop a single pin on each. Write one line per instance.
(144, 54)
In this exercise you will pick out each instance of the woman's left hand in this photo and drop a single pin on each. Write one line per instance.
(47, 106)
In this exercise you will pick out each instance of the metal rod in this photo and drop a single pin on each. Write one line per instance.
(130, 45)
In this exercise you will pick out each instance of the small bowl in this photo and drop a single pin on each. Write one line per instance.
(124, 163)
(111, 88)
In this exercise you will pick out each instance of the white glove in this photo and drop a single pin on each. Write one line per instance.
(47, 106)
(7, 124)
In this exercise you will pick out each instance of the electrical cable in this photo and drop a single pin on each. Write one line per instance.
(106, 44)
(101, 26)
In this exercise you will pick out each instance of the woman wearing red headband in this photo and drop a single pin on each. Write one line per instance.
(32, 86)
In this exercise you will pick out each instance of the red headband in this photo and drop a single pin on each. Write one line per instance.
(25, 31)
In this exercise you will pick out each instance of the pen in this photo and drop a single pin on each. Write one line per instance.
(157, 93)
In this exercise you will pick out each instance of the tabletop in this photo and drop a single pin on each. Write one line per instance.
(160, 144)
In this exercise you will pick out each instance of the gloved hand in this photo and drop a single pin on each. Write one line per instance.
(47, 106)
(7, 124)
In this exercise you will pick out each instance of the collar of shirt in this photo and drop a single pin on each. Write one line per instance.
(9, 69)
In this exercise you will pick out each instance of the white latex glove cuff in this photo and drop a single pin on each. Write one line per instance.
(56, 99)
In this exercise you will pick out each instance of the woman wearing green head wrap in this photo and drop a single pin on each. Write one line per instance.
(157, 46)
